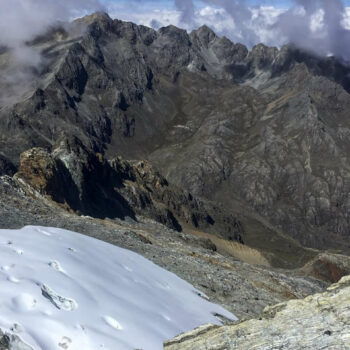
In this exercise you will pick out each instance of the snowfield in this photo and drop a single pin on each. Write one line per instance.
(63, 290)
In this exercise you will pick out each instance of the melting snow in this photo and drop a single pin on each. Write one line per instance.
(62, 290)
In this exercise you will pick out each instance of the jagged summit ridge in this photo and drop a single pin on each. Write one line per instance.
(95, 17)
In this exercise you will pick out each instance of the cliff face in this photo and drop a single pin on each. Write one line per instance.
(265, 130)
(320, 321)
(86, 183)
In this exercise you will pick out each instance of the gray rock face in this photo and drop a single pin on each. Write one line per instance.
(265, 130)
(320, 321)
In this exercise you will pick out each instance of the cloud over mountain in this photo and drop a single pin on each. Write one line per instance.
(21, 20)
(321, 26)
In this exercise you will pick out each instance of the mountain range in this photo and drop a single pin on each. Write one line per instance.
(241, 152)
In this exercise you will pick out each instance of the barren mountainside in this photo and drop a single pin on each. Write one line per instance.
(265, 130)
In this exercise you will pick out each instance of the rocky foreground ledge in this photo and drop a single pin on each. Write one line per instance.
(320, 321)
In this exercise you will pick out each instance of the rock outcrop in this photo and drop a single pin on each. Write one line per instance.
(320, 321)
(87, 184)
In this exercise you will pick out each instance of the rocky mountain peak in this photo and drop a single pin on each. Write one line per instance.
(100, 17)
(173, 31)
(172, 36)
(204, 35)
(263, 56)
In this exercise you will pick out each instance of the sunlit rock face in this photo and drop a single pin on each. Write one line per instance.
(316, 322)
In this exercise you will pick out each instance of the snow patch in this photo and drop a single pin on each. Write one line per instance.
(23, 302)
(69, 291)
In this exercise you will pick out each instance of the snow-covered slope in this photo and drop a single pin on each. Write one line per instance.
(63, 290)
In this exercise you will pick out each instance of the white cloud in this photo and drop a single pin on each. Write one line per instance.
(346, 20)
(263, 18)
(21, 20)
(145, 15)
(317, 21)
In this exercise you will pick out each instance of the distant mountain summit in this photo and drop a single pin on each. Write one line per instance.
(262, 132)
